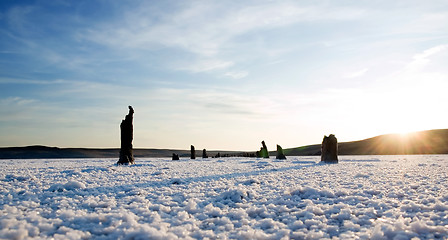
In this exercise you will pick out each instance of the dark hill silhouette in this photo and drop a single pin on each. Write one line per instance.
(424, 142)
(37, 152)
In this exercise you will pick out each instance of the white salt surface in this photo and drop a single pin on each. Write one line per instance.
(362, 197)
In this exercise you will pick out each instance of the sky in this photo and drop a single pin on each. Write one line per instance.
(220, 74)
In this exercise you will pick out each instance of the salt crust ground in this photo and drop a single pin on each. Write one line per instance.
(362, 197)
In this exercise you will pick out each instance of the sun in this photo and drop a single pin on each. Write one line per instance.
(406, 135)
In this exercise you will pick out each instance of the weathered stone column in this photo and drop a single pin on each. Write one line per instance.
(280, 154)
(126, 155)
(329, 149)
(204, 154)
(193, 152)
(264, 150)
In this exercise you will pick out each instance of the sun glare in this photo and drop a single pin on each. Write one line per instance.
(405, 132)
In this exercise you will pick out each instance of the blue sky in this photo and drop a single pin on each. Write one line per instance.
(220, 74)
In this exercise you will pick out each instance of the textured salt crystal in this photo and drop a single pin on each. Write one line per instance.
(362, 197)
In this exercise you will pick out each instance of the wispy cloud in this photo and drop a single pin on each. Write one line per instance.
(207, 29)
(206, 65)
(236, 74)
(30, 81)
(222, 103)
(17, 17)
(431, 51)
(356, 74)
(421, 59)
(12, 102)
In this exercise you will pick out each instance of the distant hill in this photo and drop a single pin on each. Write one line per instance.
(36, 152)
(424, 142)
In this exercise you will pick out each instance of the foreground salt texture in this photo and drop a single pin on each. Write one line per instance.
(362, 197)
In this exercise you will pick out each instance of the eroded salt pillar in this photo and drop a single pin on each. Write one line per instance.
(280, 154)
(264, 150)
(193, 152)
(329, 149)
(126, 154)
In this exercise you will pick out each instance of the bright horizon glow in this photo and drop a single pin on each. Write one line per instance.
(220, 75)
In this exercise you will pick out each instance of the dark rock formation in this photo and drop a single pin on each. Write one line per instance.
(218, 155)
(175, 156)
(252, 155)
(263, 153)
(329, 149)
(280, 154)
(193, 152)
(126, 155)
(204, 154)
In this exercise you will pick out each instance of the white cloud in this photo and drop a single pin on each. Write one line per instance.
(206, 65)
(357, 73)
(30, 81)
(12, 102)
(422, 59)
(206, 29)
(429, 52)
(203, 28)
(237, 74)
(430, 23)
(17, 17)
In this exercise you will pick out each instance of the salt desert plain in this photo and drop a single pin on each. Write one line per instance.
(361, 197)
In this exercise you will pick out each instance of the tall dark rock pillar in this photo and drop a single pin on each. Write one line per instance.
(126, 155)
(329, 149)
(204, 154)
(193, 152)
(264, 151)
(280, 154)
